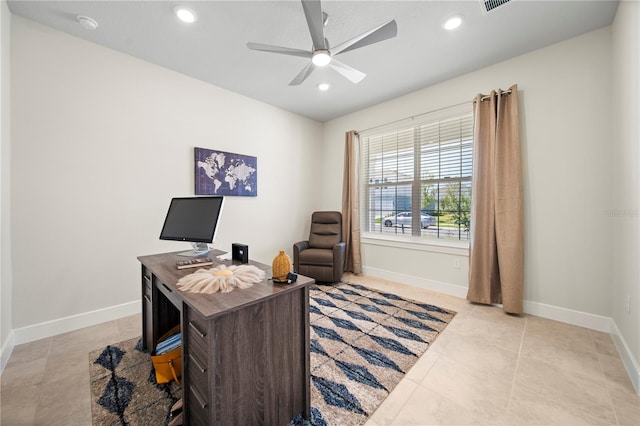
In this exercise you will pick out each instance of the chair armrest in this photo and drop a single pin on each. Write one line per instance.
(297, 248)
(340, 254)
(300, 245)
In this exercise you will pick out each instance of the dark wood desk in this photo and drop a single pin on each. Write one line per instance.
(245, 353)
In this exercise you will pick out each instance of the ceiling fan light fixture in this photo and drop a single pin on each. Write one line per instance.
(185, 14)
(321, 58)
(321, 54)
(452, 23)
(323, 87)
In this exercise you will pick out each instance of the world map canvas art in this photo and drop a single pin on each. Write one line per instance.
(225, 173)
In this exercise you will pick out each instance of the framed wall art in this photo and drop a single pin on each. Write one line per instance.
(225, 173)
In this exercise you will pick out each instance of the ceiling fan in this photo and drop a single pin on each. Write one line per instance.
(321, 53)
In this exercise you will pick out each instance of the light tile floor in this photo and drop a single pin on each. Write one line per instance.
(486, 368)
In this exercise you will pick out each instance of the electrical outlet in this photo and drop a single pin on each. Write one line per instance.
(627, 303)
(456, 263)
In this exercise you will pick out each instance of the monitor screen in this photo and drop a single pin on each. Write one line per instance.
(192, 219)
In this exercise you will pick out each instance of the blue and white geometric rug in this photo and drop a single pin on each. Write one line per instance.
(362, 343)
(124, 389)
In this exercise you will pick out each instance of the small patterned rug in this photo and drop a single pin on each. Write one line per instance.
(362, 343)
(124, 389)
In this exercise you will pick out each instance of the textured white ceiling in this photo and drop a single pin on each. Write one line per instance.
(214, 48)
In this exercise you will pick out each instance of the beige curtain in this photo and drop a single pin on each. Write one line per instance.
(351, 204)
(496, 258)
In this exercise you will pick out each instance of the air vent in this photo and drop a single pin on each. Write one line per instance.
(489, 5)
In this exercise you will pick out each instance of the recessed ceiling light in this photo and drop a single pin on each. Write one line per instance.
(87, 23)
(185, 14)
(323, 87)
(452, 23)
(321, 58)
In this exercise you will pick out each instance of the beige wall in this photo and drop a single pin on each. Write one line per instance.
(624, 204)
(102, 141)
(5, 189)
(564, 100)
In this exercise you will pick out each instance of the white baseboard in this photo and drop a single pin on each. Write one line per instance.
(7, 348)
(630, 363)
(557, 313)
(74, 322)
(440, 287)
(568, 316)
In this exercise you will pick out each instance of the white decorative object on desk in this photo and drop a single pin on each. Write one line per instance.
(221, 279)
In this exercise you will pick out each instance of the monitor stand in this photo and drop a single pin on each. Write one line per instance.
(199, 249)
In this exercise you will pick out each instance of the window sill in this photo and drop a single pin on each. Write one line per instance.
(459, 248)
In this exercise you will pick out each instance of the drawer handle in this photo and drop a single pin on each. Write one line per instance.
(197, 330)
(197, 364)
(198, 397)
(147, 298)
(168, 289)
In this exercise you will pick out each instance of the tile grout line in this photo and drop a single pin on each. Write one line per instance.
(599, 358)
(515, 372)
(418, 386)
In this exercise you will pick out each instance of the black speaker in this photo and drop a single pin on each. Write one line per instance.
(240, 252)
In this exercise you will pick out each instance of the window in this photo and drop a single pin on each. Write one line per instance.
(417, 176)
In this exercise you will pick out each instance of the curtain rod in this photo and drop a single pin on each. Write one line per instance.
(487, 97)
(413, 117)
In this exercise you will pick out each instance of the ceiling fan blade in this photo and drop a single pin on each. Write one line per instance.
(313, 13)
(380, 33)
(306, 71)
(351, 74)
(279, 49)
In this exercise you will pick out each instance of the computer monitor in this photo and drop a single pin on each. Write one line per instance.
(193, 219)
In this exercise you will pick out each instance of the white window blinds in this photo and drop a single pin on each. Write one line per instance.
(417, 175)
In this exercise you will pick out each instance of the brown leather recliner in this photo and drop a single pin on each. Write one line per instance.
(322, 257)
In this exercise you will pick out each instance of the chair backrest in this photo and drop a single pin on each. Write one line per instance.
(326, 229)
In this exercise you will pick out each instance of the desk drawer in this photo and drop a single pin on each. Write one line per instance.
(146, 276)
(169, 294)
(198, 372)
(197, 384)
(147, 309)
(197, 331)
(198, 407)
(146, 285)
(147, 318)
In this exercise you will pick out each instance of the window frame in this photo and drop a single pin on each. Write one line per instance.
(415, 238)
